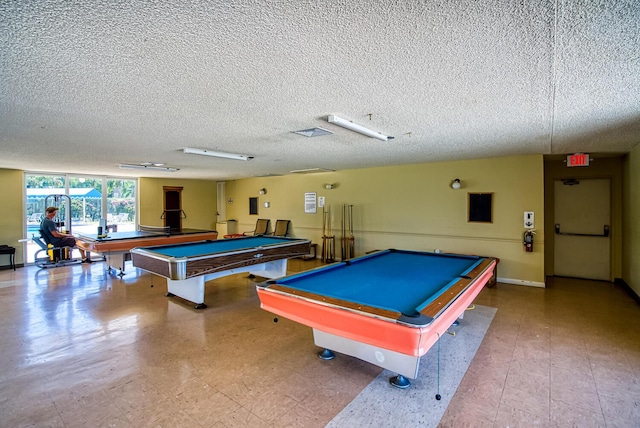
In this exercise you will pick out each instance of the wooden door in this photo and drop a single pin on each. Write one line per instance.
(172, 207)
(582, 219)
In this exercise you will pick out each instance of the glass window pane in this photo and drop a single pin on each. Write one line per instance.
(42, 191)
(121, 204)
(89, 202)
(86, 203)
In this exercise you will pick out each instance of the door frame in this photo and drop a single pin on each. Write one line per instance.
(177, 211)
(603, 166)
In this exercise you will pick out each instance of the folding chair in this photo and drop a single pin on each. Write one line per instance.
(262, 227)
(282, 228)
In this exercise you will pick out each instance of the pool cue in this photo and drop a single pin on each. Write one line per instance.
(324, 234)
(324, 221)
(343, 248)
(331, 247)
(345, 242)
(352, 239)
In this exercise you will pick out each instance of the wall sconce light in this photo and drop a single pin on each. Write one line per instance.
(262, 191)
(267, 204)
(329, 186)
(455, 185)
(230, 201)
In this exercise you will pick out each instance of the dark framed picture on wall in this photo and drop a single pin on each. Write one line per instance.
(253, 206)
(481, 207)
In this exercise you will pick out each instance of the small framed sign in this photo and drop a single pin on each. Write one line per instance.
(481, 207)
(578, 159)
(310, 205)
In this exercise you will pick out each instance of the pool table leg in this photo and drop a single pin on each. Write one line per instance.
(406, 366)
(326, 354)
(400, 381)
(191, 289)
(116, 261)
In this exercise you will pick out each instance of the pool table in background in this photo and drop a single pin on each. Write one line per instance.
(387, 308)
(115, 246)
(188, 266)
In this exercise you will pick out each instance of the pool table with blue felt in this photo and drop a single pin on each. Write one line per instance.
(115, 246)
(387, 308)
(188, 266)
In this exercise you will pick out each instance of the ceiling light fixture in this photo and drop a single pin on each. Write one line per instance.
(357, 128)
(151, 167)
(311, 170)
(217, 154)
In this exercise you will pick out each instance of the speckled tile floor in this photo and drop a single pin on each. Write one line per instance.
(81, 348)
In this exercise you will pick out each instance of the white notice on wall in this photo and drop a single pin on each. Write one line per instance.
(310, 203)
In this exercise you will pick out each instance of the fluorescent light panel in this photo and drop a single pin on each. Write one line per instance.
(357, 128)
(145, 166)
(311, 170)
(224, 155)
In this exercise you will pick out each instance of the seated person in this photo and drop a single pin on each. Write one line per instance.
(51, 235)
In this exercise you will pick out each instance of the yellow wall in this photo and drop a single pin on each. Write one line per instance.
(198, 202)
(12, 216)
(414, 207)
(410, 206)
(631, 210)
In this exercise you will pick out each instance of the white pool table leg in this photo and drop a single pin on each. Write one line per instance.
(403, 364)
(191, 289)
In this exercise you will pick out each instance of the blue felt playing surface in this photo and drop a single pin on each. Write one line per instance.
(197, 249)
(403, 281)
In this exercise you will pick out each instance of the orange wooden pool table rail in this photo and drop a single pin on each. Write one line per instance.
(115, 248)
(379, 336)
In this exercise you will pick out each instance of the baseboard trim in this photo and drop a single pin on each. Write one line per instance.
(622, 283)
(522, 282)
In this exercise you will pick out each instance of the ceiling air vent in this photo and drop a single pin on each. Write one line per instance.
(313, 132)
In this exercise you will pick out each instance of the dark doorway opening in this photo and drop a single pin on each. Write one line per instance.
(173, 207)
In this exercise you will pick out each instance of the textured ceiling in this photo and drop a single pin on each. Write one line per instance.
(87, 85)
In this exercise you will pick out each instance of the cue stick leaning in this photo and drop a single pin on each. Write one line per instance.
(328, 240)
(343, 249)
(352, 240)
(324, 234)
(347, 240)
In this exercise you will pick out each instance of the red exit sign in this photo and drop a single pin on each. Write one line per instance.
(578, 159)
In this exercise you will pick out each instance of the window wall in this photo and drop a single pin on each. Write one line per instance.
(82, 201)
